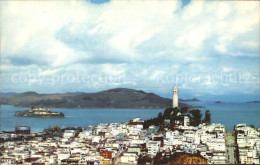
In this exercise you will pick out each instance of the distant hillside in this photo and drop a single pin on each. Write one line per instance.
(113, 98)
(189, 100)
(8, 94)
(253, 102)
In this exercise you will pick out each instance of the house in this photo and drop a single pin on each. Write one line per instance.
(129, 158)
(153, 148)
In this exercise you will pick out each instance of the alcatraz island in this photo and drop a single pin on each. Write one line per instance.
(39, 112)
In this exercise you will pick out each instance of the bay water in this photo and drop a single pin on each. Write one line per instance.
(227, 113)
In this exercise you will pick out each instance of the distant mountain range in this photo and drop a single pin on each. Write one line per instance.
(113, 98)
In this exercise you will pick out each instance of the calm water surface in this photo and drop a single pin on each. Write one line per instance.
(230, 114)
(226, 113)
(73, 117)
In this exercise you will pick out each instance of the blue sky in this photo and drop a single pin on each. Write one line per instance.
(209, 49)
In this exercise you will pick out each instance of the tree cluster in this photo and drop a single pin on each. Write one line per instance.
(177, 114)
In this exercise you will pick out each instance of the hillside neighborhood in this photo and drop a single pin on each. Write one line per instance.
(129, 143)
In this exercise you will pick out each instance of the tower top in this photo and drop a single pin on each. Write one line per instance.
(175, 88)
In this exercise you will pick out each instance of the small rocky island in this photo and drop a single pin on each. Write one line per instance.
(38, 112)
(253, 102)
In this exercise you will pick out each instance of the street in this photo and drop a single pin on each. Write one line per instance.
(230, 144)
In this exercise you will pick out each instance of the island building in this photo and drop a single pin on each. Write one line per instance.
(175, 103)
(38, 112)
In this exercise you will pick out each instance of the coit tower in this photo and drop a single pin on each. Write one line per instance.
(175, 97)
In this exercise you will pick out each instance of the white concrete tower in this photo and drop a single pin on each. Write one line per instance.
(175, 97)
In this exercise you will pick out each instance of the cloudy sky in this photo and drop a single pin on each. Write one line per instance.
(205, 48)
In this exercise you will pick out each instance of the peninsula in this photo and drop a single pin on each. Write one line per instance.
(112, 98)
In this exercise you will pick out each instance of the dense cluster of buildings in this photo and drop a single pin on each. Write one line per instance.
(126, 143)
(248, 143)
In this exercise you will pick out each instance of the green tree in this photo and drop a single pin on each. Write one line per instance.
(167, 113)
(196, 114)
(184, 110)
(160, 115)
(207, 117)
(171, 113)
(196, 117)
(160, 118)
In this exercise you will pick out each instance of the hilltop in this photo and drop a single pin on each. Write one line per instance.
(113, 98)
(182, 158)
